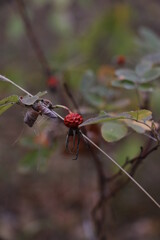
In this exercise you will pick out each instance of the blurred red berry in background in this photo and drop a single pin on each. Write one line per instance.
(121, 60)
(52, 83)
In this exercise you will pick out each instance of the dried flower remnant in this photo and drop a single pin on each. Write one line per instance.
(31, 117)
(72, 121)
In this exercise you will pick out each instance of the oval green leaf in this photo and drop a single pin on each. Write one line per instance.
(143, 67)
(140, 115)
(113, 131)
(126, 84)
(11, 99)
(146, 87)
(150, 39)
(151, 75)
(137, 127)
(28, 100)
(127, 74)
(154, 58)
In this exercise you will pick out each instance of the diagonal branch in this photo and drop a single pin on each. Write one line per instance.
(124, 171)
(33, 39)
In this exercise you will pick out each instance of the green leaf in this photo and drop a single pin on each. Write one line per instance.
(100, 119)
(127, 74)
(137, 127)
(145, 75)
(126, 84)
(92, 92)
(94, 100)
(128, 149)
(10, 99)
(139, 115)
(28, 100)
(150, 38)
(41, 94)
(8, 102)
(151, 75)
(154, 58)
(5, 107)
(146, 87)
(143, 67)
(88, 89)
(113, 131)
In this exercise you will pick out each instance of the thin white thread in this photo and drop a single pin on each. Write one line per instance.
(124, 171)
(8, 80)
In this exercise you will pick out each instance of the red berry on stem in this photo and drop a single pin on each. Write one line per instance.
(73, 120)
(52, 82)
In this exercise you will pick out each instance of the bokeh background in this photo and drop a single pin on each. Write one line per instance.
(43, 193)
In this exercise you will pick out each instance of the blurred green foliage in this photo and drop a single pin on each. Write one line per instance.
(15, 28)
(81, 41)
(110, 34)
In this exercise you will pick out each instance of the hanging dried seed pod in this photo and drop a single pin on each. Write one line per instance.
(31, 117)
(47, 103)
(46, 111)
(44, 107)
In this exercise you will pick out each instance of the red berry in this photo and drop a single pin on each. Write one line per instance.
(121, 60)
(52, 82)
(73, 120)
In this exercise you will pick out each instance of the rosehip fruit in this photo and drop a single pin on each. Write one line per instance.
(73, 120)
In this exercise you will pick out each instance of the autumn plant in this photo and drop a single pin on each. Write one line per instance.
(139, 120)
(114, 125)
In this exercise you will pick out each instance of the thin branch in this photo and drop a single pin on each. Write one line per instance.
(68, 92)
(99, 223)
(13, 83)
(33, 39)
(61, 106)
(142, 155)
(124, 171)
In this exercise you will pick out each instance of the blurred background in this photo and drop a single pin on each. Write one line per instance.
(61, 46)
